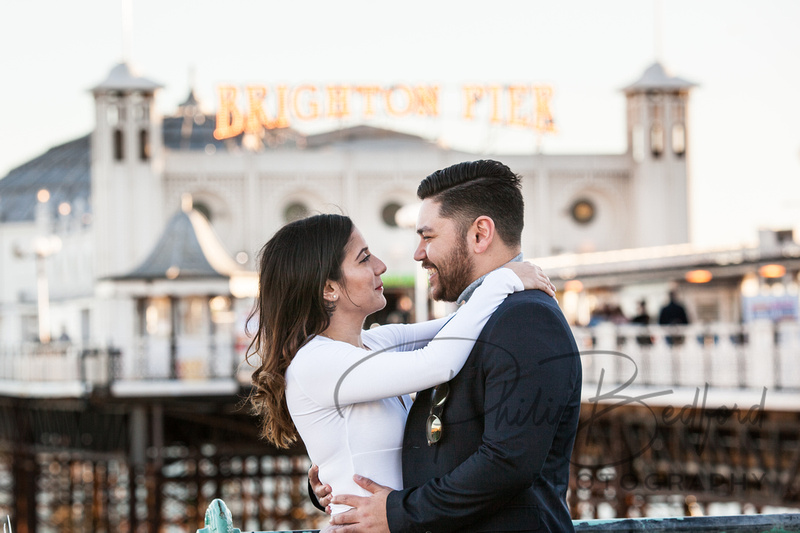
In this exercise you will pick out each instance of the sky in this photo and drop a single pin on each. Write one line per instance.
(744, 116)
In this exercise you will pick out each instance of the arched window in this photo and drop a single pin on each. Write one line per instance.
(389, 212)
(295, 211)
(144, 145)
(657, 140)
(678, 139)
(583, 211)
(203, 208)
(119, 151)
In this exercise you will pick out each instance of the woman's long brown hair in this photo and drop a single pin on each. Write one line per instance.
(294, 266)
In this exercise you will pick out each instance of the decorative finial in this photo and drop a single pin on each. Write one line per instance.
(127, 29)
(658, 18)
(186, 202)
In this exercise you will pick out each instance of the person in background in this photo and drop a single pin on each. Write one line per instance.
(673, 314)
(642, 319)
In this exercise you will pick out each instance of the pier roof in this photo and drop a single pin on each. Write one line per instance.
(123, 78)
(63, 170)
(187, 249)
(620, 267)
(656, 77)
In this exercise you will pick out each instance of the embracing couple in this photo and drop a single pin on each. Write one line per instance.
(486, 444)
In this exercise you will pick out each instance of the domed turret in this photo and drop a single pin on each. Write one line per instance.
(127, 153)
(658, 145)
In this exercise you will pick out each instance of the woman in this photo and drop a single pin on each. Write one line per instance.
(343, 389)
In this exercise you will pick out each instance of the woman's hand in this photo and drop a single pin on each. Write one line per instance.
(532, 276)
(321, 491)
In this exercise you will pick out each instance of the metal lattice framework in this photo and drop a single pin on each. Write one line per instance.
(108, 465)
(72, 466)
(630, 456)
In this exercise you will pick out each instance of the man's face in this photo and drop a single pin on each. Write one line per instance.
(443, 252)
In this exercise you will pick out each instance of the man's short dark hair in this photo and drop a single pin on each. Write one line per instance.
(472, 189)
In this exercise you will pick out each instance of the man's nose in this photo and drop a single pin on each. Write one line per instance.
(419, 253)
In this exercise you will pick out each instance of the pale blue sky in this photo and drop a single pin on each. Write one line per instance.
(745, 55)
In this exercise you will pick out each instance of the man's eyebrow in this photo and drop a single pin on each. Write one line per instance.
(423, 229)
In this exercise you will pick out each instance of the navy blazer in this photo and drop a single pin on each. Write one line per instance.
(509, 424)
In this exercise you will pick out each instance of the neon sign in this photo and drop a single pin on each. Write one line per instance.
(523, 106)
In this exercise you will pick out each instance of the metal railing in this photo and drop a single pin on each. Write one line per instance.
(218, 520)
(58, 362)
(773, 523)
(732, 356)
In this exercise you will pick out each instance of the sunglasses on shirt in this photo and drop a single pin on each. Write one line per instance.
(434, 426)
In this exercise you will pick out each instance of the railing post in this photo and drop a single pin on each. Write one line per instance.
(760, 367)
(690, 353)
(606, 334)
(724, 362)
(661, 358)
(788, 351)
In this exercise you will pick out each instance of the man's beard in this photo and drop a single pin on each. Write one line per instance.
(454, 273)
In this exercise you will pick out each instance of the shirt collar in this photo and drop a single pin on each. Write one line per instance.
(467, 293)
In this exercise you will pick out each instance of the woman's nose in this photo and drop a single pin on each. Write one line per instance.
(380, 267)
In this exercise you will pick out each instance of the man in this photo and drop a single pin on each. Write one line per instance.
(491, 453)
(673, 314)
(643, 319)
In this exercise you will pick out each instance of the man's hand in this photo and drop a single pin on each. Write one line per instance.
(368, 514)
(322, 492)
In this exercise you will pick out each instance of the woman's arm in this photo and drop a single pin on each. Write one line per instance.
(403, 337)
(406, 337)
(335, 373)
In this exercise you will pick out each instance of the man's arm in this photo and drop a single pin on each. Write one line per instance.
(530, 377)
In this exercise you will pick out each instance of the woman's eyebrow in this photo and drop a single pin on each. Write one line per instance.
(363, 251)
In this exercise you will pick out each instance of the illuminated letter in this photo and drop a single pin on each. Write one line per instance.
(427, 100)
(338, 101)
(515, 94)
(409, 100)
(495, 90)
(256, 117)
(229, 119)
(367, 92)
(544, 118)
(313, 107)
(282, 120)
(472, 93)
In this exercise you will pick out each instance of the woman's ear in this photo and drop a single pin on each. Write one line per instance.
(331, 291)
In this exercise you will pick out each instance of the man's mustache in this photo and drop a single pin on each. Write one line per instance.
(428, 264)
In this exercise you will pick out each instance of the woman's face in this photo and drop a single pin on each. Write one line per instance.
(361, 289)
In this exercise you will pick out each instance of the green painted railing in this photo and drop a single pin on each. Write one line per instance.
(218, 520)
(772, 523)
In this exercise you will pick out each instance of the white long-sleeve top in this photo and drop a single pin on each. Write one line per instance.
(350, 404)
